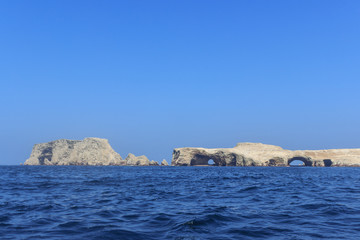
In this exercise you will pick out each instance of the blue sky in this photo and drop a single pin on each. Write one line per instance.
(154, 75)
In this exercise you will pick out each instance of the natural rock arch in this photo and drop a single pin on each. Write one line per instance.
(258, 154)
(200, 157)
(305, 160)
(327, 162)
(202, 160)
(211, 162)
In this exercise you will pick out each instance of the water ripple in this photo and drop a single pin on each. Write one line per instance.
(63, 202)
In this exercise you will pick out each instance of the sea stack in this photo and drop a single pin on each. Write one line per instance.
(132, 160)
(90, 151)
(164, 163)
(154, 163)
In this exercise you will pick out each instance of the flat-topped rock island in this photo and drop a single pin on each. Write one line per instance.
(258, 154)
(90, 151)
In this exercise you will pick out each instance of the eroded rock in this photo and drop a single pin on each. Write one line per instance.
(132, 160)
(258, 154)
(90, 151)
(154, 163)
(164, 163)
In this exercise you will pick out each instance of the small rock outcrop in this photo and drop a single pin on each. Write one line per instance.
(164, 163)
(90, 151)
(132, 160)
(154, 163)
(258, 154)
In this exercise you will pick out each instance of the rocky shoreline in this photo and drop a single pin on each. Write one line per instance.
(98, 152)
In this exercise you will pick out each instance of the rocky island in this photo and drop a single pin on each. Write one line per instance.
(98, 152)
(258, 154)
(90, 151)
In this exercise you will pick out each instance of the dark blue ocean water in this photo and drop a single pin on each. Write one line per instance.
(78, 202)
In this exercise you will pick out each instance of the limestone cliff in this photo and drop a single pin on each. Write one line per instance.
(258, 154)
(90, 151)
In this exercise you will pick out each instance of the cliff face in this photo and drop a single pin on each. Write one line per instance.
(258, 154)
(90, 151)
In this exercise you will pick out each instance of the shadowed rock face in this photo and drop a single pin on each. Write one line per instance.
(258, 154)
(90, 151)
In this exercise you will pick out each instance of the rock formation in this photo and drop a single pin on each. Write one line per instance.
(132, 160)
(90, 151)
(153, 163)
(258, 154)
(164, 163)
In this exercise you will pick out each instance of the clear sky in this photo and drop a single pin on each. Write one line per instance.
(154, 75)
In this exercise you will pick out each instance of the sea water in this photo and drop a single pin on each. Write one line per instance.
(81, 202)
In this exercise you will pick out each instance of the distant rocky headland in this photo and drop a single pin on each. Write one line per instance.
(90, 151)
(98, 152)
(258, 154)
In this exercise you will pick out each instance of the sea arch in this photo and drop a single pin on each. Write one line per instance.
(203, 160)
(306, 160)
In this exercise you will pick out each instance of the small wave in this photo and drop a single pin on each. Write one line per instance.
(255, 232)
(208, 221)
(4, 218)
(314, 206)
(121, 234)
(70, 224)
(251, 188)
(179, 203)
